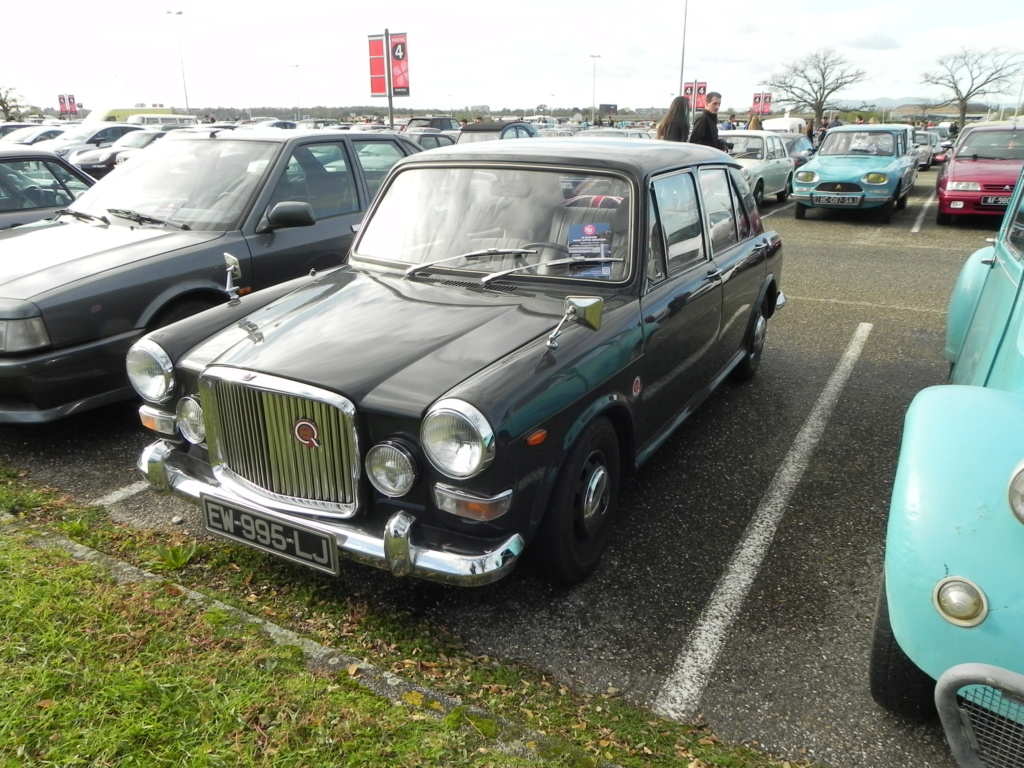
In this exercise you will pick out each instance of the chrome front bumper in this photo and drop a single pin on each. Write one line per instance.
(982, 712)
(396, 550)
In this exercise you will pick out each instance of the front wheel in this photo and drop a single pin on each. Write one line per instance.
(799, 211)
(897, 684)
(943, 219)
(901, 202)
(575, 528)
(783, 196)
(885, 212)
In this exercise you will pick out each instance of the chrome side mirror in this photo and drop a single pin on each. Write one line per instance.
(234, 272)
(585, 310)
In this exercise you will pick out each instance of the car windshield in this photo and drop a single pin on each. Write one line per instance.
(745, 147)
(82, 133)
(138, 138)
(203, 184)
(858, 143)
(525, 223)
(998, 145)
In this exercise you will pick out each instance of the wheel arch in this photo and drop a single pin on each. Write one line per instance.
(177, 294)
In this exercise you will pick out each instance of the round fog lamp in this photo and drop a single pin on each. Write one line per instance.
(960, 602)
(391, 469)
(189, 417)
(1017, 492)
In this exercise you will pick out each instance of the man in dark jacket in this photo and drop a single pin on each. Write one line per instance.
(705, 127)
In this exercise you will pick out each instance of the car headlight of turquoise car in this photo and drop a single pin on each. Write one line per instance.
(876, 178)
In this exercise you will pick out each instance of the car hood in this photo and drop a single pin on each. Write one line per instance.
(384, 341)
(35, 259)
(848, 166)
(984, 171)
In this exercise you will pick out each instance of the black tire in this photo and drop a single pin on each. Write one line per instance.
(901, 202)
(575, 528)
(783, 196)
(748, 366)
(799, 211)
(897, 684)
(943, 219)
(179, 311)
(885, 212)
(758, 194)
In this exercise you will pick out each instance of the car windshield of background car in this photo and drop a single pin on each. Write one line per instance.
(994, 145)
(746, 147)
(477, 219)
(204, 184)
(858, 143)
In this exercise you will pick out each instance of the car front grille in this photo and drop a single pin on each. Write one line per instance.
(282, 440)
(997, 724)
(1001, 189)
(841, 186)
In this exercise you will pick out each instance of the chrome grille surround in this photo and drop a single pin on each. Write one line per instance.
(982, 712)
(280, 440)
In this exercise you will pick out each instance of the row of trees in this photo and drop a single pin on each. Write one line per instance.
(812, 84)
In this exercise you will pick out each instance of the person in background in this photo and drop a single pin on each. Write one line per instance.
(705, 126)
(463, 123)
(754, 124)
(675, 125)
(835, 123)
(729, 124)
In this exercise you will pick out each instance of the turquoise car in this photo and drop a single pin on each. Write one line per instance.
(949, 628)
(859, 167)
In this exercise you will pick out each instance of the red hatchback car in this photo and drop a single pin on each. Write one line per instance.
(981, 172)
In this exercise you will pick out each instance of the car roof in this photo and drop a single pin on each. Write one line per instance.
(871, 127)
(282, 137)
(493, 126)
(638, 158)
(9, 150)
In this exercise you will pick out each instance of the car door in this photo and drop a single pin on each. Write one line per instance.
(681, 306)
(739, 250)
(323, 174)
(781, 164)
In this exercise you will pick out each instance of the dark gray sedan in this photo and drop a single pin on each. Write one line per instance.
(35, 184)
(146, 247)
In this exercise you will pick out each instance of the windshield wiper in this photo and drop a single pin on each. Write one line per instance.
(82, 215)
(471, 255)
(556, 263)
(975, 156)
(142, 218)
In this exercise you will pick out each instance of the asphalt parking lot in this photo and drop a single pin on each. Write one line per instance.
(740, 583)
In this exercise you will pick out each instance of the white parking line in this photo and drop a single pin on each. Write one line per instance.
(924, 211)
(682, 690)
(120, 494)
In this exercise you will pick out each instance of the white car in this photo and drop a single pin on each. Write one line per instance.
(765, 159)
(86, 136)
(927, 145)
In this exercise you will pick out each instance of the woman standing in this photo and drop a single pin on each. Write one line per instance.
(675, 125)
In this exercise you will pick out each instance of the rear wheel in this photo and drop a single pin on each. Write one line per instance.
(897, 684)
(575, 528)
(748, 366)
(758, 193)
(799, 211)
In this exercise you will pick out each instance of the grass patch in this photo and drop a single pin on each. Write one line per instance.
(99, 673)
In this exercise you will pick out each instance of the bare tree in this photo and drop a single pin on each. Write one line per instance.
(9, 104)
(812, 82)
(968, 74)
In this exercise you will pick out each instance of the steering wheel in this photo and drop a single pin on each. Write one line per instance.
(553, 246)
(31, 194)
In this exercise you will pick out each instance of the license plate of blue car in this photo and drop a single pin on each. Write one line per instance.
(299, 544)
(835, 199)
(1000, 200)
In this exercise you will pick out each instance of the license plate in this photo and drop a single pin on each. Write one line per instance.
(288, 540)
(835, 200)
(995, 200)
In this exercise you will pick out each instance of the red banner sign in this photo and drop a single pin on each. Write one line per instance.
(762, 104)
(62, 100)
(378, 62)
(702, 92)
(72, 104)
(399, 65)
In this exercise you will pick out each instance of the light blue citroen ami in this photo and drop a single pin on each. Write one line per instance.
(951, 606)
(859, 167)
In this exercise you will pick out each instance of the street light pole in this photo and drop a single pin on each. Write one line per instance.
(593, 95)
(181, 61)
(298, 112)
(682, 57)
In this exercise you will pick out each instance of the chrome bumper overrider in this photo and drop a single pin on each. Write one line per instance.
(982, 712)
(395, 551)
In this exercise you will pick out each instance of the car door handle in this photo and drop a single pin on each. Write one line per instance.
(714, 274)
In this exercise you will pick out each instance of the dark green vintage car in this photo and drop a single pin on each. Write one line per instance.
(519, 324)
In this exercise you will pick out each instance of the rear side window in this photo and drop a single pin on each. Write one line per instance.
(681, 230)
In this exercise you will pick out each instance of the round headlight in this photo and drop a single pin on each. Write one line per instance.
(806, 176)
(875, 178)
(960, 602)
(189, 417)
(391, 469)
(457, 438)
(150, 371)
(1017, 492)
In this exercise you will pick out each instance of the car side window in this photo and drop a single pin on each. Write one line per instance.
(1015, 231)
(716, 193)
(28, 184)
(376, 159)
(679, 245)
(319, 174)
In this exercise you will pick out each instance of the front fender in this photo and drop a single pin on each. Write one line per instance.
(964, 299)
(950, 516)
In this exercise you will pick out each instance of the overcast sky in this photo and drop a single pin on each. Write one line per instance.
(118, 53)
